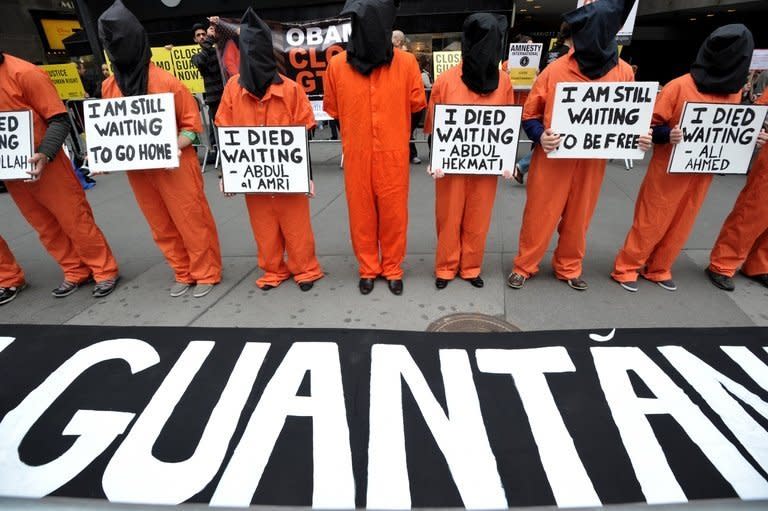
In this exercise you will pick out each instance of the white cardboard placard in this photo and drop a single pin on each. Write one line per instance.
(317, 109)
(759, 60)
(265, 159)
(717, 138)
(16, 144)
(523, 63)
(602, 120)
(475, 139)
(132, 133)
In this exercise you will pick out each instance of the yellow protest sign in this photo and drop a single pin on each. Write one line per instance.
(178, 62)
(183, 68)
(444, 60)
(66, 80)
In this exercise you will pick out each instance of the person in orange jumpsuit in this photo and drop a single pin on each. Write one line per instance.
(260, 96)
(172, 200)
(743, 240)
(667, 204)
(563, 194)
(11, 275)
(464, 203)
(372, 89)
(52, 200)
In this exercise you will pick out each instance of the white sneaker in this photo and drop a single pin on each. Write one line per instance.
(416, 160)
(202, 289)
(179, 289)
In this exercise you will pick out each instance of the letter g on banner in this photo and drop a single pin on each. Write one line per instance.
(95, 429)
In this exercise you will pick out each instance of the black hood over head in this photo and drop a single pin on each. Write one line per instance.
(370, 44)
(722, 65)
(127, 46)
(482, 44)
(593, 29)
(258, 67)
(2, 57)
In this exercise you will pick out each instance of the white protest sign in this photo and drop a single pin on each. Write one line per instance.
(269, 159)
(717, 138)
(16, 144)
(625, 33)
(317, 109)
(523, 63)
(475, 139)
(759, 60)
(132, 133)
(602, 120)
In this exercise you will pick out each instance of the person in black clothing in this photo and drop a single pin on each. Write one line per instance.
(207, 62)
(562, 45)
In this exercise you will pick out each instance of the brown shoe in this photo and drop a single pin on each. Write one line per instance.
(577, 284)
(515, 281)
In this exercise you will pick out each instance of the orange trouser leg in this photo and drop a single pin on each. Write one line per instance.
(177, 210)
(296, 226)
(549, 185)
(363, 216)
(391, 175)
(582, 201)
(11, 274)
(58, 210)
(757, 260)
(665, 212)
(450, 197)
(478, 208)
(270, 242)
(739, 239)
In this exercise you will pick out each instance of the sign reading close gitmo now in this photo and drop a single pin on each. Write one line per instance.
(268, 159)
(602, 120)
(717, 138)
(132, 133)
(475, 139)
(16, 142)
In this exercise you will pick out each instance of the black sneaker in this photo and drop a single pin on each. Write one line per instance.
(66, 288)
(721, 281)
(8, 294)
(105, 287)
(577, 284)
(760, 279)
(630, 286)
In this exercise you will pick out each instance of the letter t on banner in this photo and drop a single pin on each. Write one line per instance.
(567, 476)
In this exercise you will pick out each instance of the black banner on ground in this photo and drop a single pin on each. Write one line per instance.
(346, 418)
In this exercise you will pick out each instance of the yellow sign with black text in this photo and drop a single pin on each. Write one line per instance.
(66, 80)
(444, 60)
(178, 62)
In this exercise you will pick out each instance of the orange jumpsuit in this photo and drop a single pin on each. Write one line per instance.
(173, 201)
(562, 194)
(667, 204)
(11, 274)
(743, 240)
(281, 223)
(55, 205)
(463, 203)
(374, 113)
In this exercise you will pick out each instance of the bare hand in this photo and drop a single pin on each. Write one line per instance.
(762, 138)
(38, 162)
(311, 189)
(508, 174)
(676, 135)
(214, 20)
(168, 47)
(645, 142)
(436, 173)
(549, 140)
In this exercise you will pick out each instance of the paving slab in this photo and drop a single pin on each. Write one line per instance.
(335, 301)
(546, 303)
(145, 300)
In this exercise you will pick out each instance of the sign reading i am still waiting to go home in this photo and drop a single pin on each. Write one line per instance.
(132, 133)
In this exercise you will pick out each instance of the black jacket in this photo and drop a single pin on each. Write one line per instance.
(207, 62)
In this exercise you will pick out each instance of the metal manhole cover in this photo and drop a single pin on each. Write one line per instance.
(471, 322)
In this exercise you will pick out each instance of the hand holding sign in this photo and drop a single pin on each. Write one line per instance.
(645, 142)
(676, 135)
(549, 140)
(762, 138)
(38, 161)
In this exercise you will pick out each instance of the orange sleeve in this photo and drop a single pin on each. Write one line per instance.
(302, 109)
(39, 92)
(224, 113)
(666, 102)
(187, 111)
(763, 99)
(434, 99)
(329, 90)
(536, 103)
(231, 59)
(510, 99)
(418, 97)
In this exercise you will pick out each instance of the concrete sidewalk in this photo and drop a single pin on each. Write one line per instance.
(545, 303)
